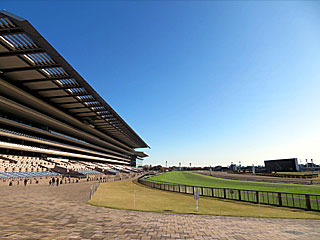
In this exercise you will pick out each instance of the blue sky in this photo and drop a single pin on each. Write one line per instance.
(202, 82)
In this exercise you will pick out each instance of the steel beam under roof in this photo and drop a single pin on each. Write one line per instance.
(20, 52)
(20, 41)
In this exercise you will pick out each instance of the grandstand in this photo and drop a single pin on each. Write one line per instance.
(52, 121)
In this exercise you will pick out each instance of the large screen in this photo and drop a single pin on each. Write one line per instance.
(282, 165)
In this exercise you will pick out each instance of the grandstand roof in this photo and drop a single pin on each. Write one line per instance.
(141, 154)
(31, 63)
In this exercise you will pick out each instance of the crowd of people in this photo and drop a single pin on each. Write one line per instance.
(53, 181)
(24, 181)
(58, 180)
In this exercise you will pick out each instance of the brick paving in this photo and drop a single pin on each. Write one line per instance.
(46, 212)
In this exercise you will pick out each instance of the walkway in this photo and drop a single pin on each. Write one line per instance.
(44, 212)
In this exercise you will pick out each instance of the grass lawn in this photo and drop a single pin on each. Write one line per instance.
(189, 178)
(120, 195)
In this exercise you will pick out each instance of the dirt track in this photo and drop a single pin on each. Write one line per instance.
(248, 177)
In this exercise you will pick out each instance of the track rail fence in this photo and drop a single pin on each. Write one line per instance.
(310, 202)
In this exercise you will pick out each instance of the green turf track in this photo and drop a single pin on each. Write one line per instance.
(189, 178)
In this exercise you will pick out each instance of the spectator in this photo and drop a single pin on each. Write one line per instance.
(50, 182)
(10, 183)
(53, 181)
(25, 182)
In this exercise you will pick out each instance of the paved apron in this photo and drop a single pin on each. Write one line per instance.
(46, 212)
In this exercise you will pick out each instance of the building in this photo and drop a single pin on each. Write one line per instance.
(48, 111)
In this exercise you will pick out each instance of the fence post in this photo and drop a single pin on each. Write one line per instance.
(192, 190)
(239, 192)
(257, 196)
(308, 203)
(280, 199)
(224, 193)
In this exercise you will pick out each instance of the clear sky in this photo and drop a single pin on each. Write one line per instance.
(206, 82)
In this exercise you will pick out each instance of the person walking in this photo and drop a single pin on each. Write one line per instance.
(25, 182)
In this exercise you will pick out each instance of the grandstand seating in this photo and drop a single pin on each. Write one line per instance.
(50, 151)
(27, 174)
(111, 171)
(11, 163)
(14, 166)
(89, 172)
